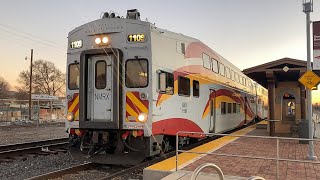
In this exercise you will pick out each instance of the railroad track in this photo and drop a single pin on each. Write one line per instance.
(124, 171)
(17, 151)
(163, 157)
(62, 172)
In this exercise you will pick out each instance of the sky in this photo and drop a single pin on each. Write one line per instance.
(246, 32)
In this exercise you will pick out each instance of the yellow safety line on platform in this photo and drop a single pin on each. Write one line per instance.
(170, 163)
(263, 122)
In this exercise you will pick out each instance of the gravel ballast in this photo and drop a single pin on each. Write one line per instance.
(27, 133)
(37, 165)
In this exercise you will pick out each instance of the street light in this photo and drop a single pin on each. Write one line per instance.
(308, 8)
(30, 83)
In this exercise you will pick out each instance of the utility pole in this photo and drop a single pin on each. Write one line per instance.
(308, 8)
(30, 88)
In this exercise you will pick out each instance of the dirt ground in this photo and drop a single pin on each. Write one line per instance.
(27, 133)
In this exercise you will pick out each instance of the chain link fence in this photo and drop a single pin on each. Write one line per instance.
(17, 111)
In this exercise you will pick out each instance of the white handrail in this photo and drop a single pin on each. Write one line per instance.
(215, 167)
(256, 178)
(277, 158)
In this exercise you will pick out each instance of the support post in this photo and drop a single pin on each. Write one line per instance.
(30, 83)
(307, 8)
(303, 101)
(38, 120)
(271, 99)
(51, 109)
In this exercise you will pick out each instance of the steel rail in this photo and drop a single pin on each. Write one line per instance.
(165, 156)
(66, 171)
(30, 144)
(8, 151)
(88, 165)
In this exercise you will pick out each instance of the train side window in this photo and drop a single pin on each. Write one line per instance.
(137, 73)
(166, 83)
(228, 73)
(229, 108)
(238, 108)
(223, 107)
(74, 76)
(206, 61)
(252, 100)
(240, 79)
(196, 88)
(215, 67)
(183, 86)
(244, 81)
(101, 74)
(221, 69)
(183, 48)
(234, 108)
(236, 77)
(232, 75)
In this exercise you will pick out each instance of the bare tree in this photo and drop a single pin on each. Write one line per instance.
(46, 79)
(21, 93)
(4, 88)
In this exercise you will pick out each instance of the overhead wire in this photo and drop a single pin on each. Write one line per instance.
(19, 41)
(35, 42)
(25, 37)
(28, 40)
(29, 34)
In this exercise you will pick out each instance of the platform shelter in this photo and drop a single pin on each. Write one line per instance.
(287, 97)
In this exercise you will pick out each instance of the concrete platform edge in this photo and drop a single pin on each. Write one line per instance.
(149, 174)
(186, 175)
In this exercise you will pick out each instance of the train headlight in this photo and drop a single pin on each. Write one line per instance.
(105, 40)
(97, 40)
(70, 116)
(142, 118)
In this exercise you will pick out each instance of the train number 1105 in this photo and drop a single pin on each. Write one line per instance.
(136, 38)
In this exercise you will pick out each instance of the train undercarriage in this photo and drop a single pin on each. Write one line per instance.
(120, 147)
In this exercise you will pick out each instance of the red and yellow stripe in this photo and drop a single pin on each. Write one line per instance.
(73, 105)
(135, 106)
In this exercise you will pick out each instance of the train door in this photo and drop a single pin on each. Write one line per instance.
(212, 120)
(100, 88)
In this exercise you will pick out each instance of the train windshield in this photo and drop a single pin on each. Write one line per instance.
(137, 73)
(74, 76)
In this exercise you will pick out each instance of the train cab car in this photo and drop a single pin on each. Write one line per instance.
(131, 86)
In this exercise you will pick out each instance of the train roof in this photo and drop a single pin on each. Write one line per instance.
(170, 34)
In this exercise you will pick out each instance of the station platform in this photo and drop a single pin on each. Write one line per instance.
(242, 158)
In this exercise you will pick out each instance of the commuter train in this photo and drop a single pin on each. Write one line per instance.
(132, 86)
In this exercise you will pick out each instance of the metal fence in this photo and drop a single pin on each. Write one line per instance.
(17, 111)
(277, 157)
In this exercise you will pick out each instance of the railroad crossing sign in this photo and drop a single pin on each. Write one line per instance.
(309, 79)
